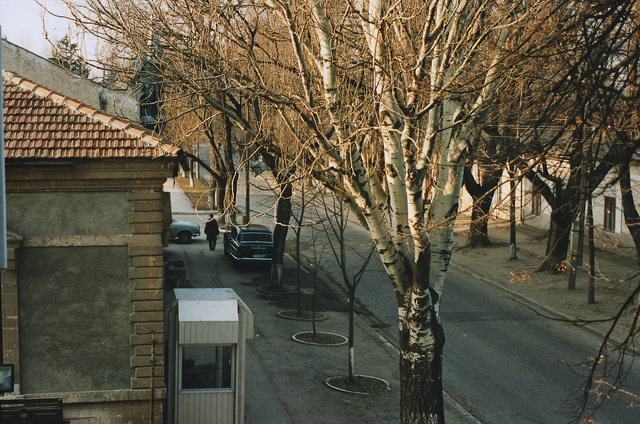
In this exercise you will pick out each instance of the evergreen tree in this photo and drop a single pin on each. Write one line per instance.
(66, 54)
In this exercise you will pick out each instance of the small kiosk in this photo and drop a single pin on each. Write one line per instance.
(207, 331)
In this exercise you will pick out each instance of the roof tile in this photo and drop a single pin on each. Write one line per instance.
(42, 91)
(72, 103)
(44, 124)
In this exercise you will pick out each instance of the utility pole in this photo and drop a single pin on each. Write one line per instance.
(151, 384)
(247, 189)
(3, 197)
(577, 227)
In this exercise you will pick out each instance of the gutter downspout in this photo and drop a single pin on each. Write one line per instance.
(3, 196)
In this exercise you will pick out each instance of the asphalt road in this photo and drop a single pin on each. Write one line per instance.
(502, 362)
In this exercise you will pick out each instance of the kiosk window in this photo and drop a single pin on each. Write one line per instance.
(207, 367)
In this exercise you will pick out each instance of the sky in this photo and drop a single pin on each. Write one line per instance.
(22, 23)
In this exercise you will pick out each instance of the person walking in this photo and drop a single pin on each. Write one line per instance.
(211, 230)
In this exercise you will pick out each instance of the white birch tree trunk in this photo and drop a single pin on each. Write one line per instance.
(445, 205)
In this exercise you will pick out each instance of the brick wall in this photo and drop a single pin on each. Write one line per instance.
(146, 296)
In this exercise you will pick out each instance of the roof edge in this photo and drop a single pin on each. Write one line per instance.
(150, 138)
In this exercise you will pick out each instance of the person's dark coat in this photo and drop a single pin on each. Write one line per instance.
(211, 230)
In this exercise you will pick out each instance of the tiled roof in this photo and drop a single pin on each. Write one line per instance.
(43, 124)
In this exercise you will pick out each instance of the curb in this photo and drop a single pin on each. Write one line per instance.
(537, 307)
(293, 315)
(343, 339)
(329, 379)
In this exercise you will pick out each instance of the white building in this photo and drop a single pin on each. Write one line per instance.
(532, 209)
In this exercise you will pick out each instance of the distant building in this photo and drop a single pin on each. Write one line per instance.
(148, 83)
(533, 209)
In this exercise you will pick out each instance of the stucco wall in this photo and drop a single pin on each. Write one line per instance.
(60, 293)
(56, 214)
(132, 412)
(36, 68)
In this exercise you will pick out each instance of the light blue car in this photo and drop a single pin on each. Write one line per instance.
(183, 231)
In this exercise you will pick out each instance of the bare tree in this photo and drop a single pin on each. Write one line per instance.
(384, 98)
(482, 192)
(307, 195)
(335, 223)
(580, 94)
(600, 134)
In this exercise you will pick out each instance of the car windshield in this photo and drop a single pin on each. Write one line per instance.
(265, 238)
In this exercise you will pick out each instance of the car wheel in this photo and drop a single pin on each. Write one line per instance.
(226, 251)
(184, 237)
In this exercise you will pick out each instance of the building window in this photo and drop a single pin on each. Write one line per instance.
(610, 214)
(536, 203)
(207, 367)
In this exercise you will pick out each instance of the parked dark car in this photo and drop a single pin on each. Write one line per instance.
(183, 231)
(250, 243)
